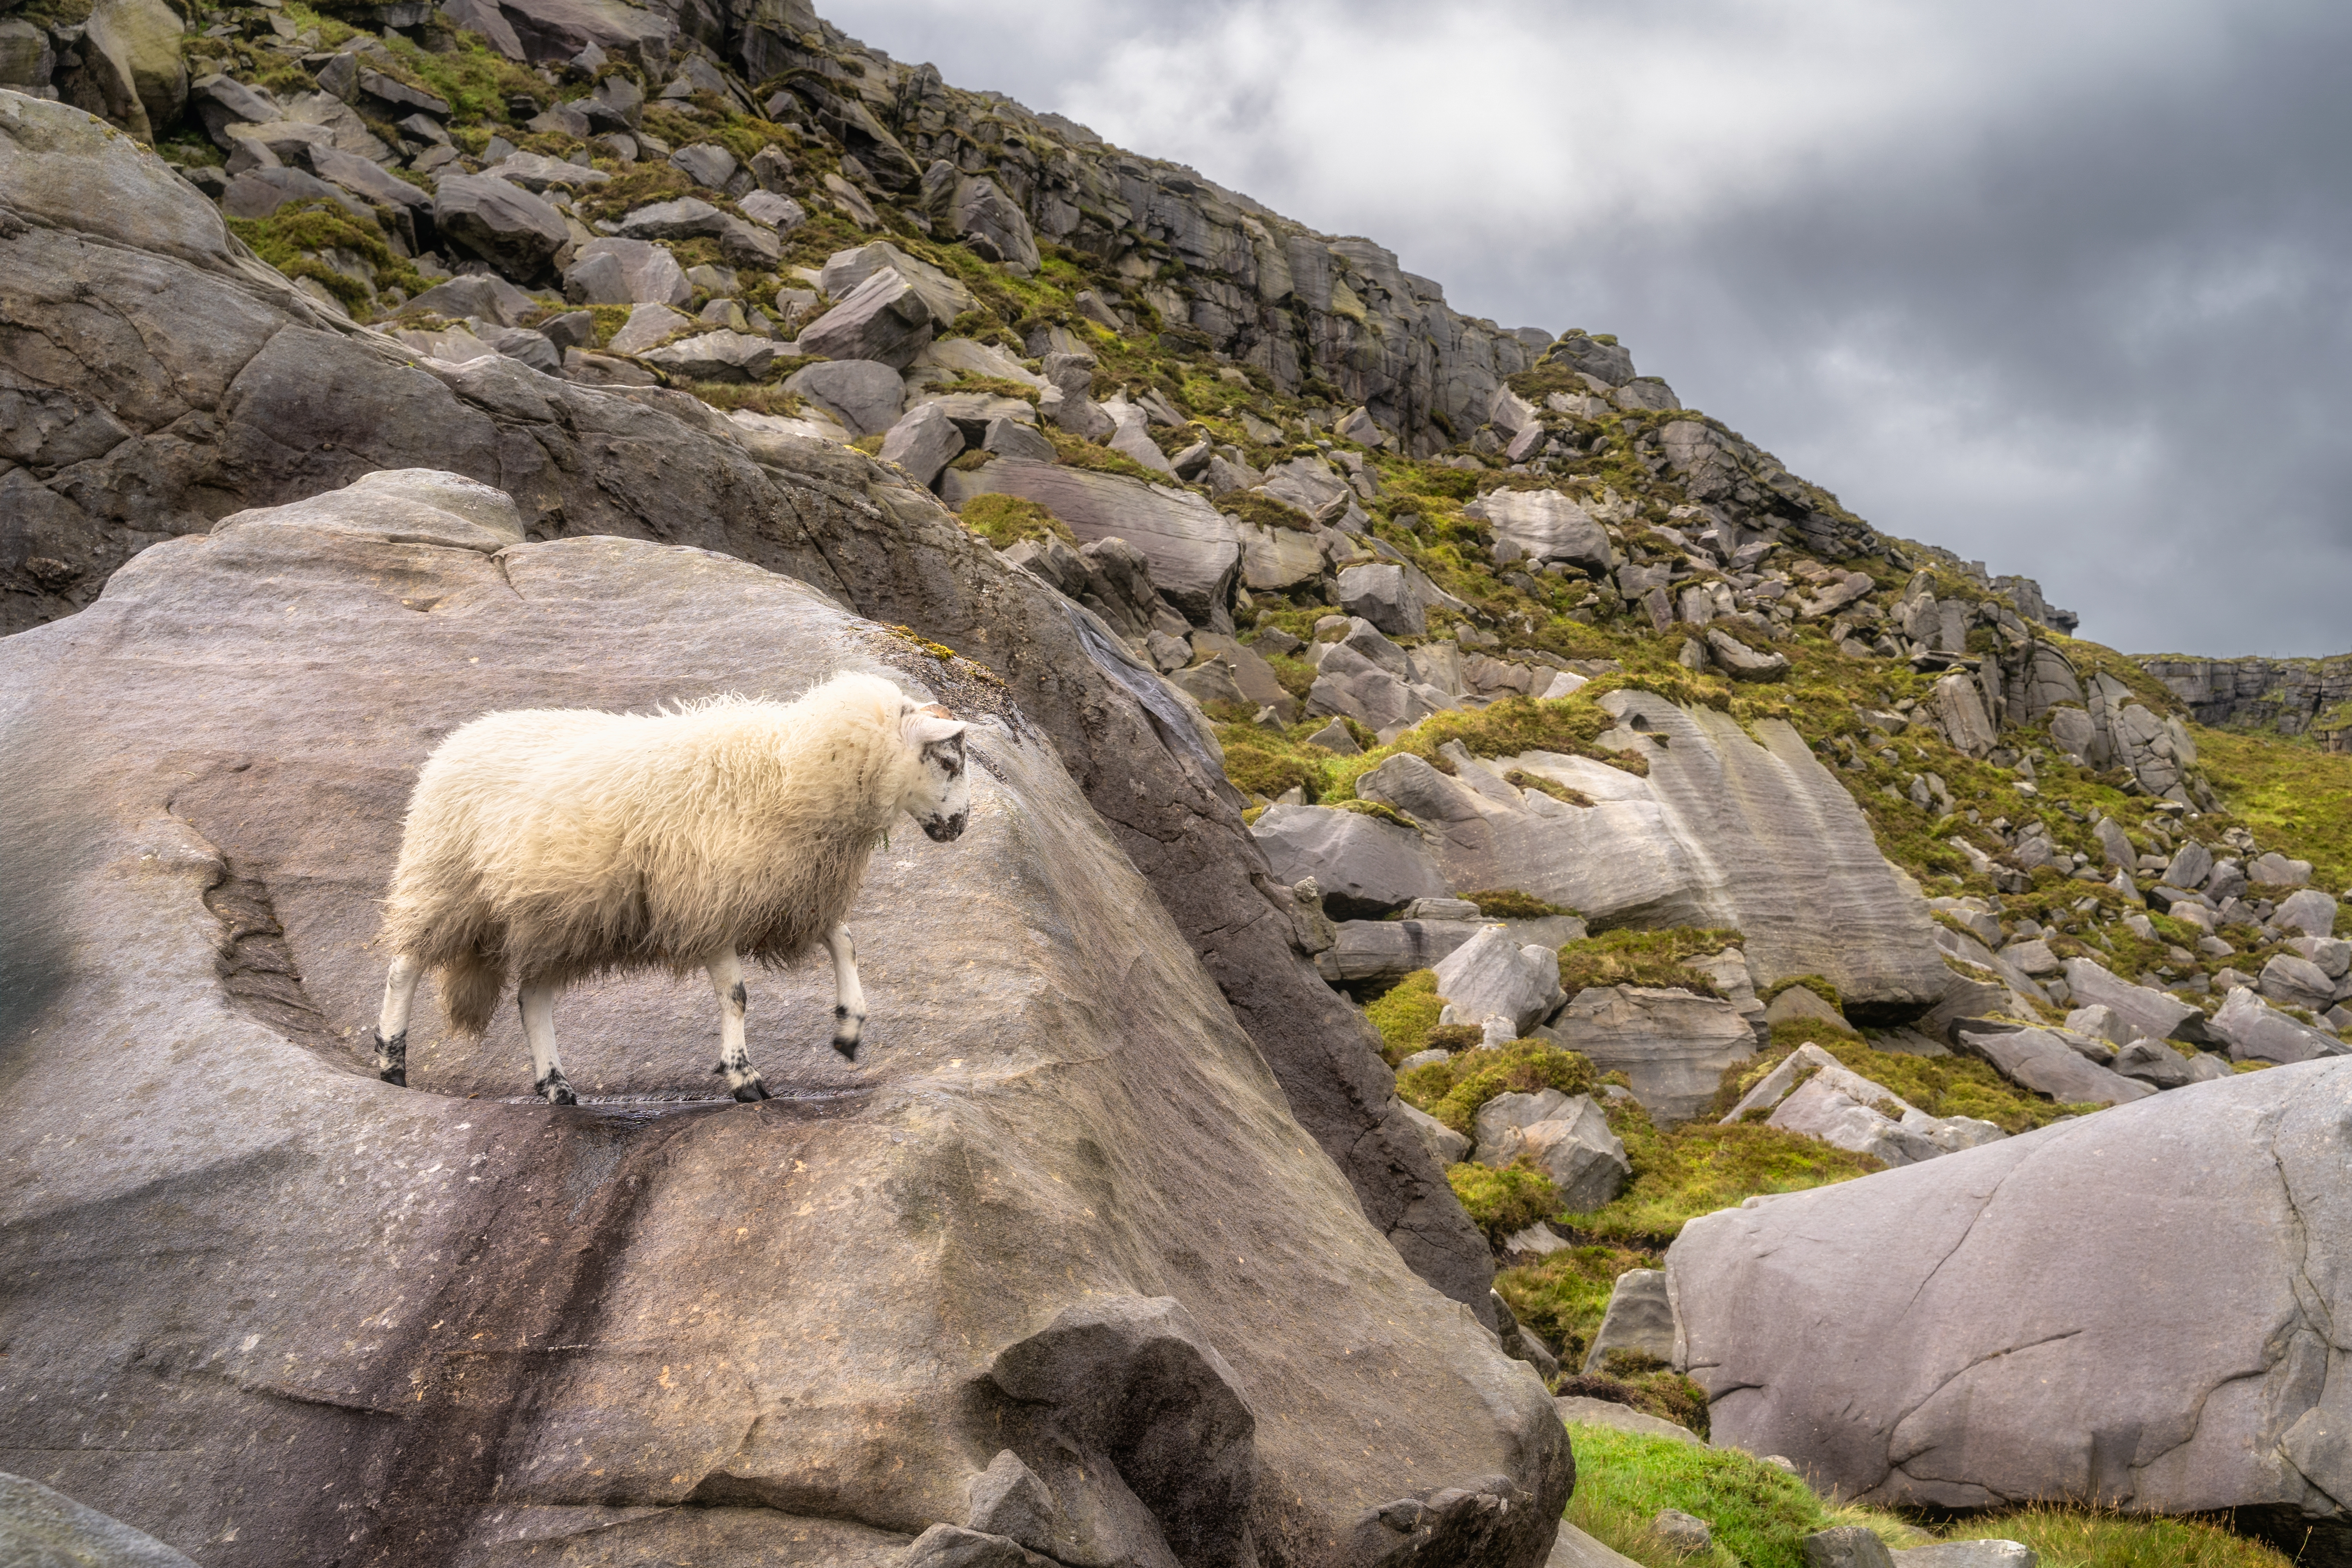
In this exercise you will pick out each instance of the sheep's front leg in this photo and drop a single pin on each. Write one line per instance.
(538, 1003)
(391, 1023)
(849, 996)
(726, 972)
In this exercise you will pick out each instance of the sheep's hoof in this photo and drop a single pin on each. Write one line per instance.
(846, 1047)
(396, 1077)
(556, 1090)
(753, 1092)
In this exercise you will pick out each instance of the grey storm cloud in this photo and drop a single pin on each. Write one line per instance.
(2064, 287)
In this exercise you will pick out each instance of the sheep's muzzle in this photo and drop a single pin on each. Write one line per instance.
(943, 829)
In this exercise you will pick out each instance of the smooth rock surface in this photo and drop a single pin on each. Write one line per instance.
(290, 399)
(1670, 1046)
(1640, 1319)
(1365, 867)
(1953, 1335)
(233, 886)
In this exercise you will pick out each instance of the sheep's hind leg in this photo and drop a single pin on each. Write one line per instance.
(726, 972)
(537, 1000)
(391, 1023)
(849, 999)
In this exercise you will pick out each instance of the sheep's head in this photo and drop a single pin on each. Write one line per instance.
(940, 794)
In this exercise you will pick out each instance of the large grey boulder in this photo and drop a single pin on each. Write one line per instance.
(1365, 950)
(722, 355)
(1365, 867)
(1544, 526)
(383, 1236)
(922, 442)
(1566, 1137)
(2293, 982)
(1380, 595)
(506, 225)
(1954, 1335)
(613, 272)
(1672, 1047)
(559, 29)
(687, 217)
(1192, 547)
(2306, 911)
(2154, 1014)
(846, 271)
(2046, 1064)
(1812, 1092)
(1348, 683)
(976, 210)
(2255, 1031)
(40, 1528)
(865, 394)
(133, 70)
(290, 398)
(1494, 975)
(883, 319)
(1640, 1318)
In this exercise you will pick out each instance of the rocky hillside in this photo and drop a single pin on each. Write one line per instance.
(1449, 807)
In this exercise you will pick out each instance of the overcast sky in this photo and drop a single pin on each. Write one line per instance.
(2064, 287)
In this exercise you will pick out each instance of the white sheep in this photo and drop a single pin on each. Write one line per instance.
(557, 845)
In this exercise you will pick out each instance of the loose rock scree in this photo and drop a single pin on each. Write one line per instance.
(557, 845)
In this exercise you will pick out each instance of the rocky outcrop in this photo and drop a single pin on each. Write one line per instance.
(1715, 834)
(2292, 696)
(241, 391)
(1031, 1220)
(1953, 1335)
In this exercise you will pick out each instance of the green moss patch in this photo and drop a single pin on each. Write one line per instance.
(1264, 511)
(1940, 1086)
(1405, 1014)
(1505, 904)
(1564, 1296)
(1453, 1090)
(1761, 1513)
(1698, 1167)
(1643, 958)
(1004, 520)
(1501, 1202)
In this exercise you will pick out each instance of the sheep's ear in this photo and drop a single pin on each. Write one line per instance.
(929, 726)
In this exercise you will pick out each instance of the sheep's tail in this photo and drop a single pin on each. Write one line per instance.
(471, 984)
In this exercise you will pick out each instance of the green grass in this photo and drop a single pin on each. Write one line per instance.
(1500, 1201)
(1564, 1296)
(1453, 1089)
(1004, 520)
(2296, 798)
(1761, 1513)
(1643, 958)
(1698, 1167)
(1405, 1014)
(2085, 1538)
(1504, 904)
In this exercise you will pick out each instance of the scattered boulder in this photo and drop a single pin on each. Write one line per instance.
(923, 442)
(1672, 1047)
(2309, 910)
(505, 225)
(646, 326)
(1492, 975)
(1544, 527)
(132, 71)
(2148, 1012)
(1380, 595)
(846, 271)
(1365, 867)
(1684, 1532)
(2041, 1060)
(1952, 1335)
(716, 356)
(743, 243)
(2293, 982)
(1564, 1136)
(1640, 1318)
(1445, 1146)
(865, 394)
(1847, 1546)
(2255, 1031)
(1192, 546)
(609, 271)
(780, 213)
